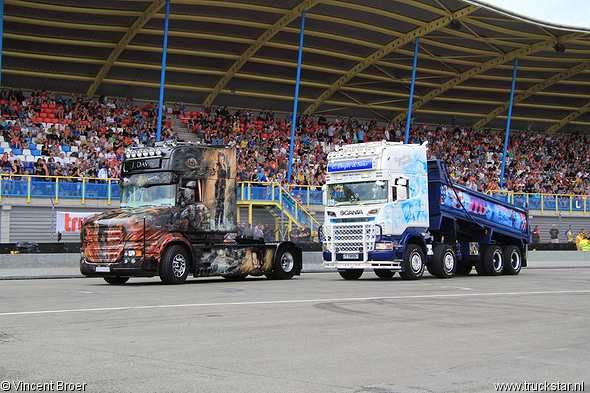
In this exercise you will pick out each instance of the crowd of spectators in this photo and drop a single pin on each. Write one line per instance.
(88, 139)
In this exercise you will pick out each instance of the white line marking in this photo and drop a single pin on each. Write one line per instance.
(354, 299)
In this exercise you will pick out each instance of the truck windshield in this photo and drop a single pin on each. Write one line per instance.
(360, 193)
(148, 189)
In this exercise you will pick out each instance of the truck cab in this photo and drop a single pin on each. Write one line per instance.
(178, 216)
(389, 209)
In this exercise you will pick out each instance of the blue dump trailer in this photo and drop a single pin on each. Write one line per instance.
(390, 209)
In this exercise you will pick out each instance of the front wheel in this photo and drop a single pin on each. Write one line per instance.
(116, 280)
(384, 273)
(351, 274)
(285, 264)
(444, 261)
(413, 264)
(174, 265)
(512, 260)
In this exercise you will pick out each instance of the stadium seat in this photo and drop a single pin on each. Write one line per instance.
(35, 153)
(4, 144)
(65, 148)
(17, 152)
(26, 152)
(74, 149)
(30, 159)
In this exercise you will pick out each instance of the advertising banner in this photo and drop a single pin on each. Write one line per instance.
(71, 222)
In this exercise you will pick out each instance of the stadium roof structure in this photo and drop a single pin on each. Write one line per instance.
(357, 57)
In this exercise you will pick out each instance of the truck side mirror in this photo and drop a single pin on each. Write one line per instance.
(402, 189)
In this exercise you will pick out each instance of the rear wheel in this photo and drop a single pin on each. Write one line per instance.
(444, 261)
(116, 280)
(285, 264)
(413, 264)
(512, 260)
(492, 262)
(351, 274)
(384, 273)
(174, 265)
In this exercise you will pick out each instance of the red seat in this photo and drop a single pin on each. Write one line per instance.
(184, 121)
(193, 113)
(52, 106)
(44, 105)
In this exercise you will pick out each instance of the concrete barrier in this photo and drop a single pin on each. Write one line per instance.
(14, 266)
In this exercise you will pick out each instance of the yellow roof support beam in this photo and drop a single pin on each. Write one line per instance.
(569, 118)
(379, 54)
(263, 39)
(529, 92)
(122, 44)
(524, 51)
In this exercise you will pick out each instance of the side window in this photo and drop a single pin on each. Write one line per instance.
(394, 193)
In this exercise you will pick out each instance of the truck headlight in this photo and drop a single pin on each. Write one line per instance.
(384, 246)
(132, 253)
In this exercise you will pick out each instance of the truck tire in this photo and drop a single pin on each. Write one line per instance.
(174, 265)
(384, 273)
(351, 274)
(512, 260)
(492, 262)
(285, 264)
(116, 280)
(444, 261)
(413, 264)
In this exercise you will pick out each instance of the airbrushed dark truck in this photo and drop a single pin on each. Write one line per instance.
(391, 210)
(178, 217)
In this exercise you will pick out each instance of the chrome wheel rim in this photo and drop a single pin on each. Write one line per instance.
(178, 265)
(416, 262)
(287, 262)
(449, 262)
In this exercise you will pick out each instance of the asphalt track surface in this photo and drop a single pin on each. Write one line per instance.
(315, 333)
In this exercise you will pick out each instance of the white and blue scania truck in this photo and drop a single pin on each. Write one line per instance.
(389, 209)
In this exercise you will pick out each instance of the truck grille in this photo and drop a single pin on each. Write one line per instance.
(350, 238)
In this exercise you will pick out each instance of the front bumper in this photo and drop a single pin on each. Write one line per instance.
(90, 269)
(375, 260)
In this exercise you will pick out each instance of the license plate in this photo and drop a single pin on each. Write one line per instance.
(350, 256)
(102, 269)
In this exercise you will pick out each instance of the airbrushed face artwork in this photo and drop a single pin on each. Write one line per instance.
(206, 196)
(477, 206)
(230, 261)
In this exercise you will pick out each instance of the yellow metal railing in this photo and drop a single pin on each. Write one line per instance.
(556, 202)
(58, 181)
(265, 192)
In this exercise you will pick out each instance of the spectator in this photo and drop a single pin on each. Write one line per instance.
(554, 234)
(536, 235)
(570, 234)
(584, 244)
(579, 238)
(305, 236)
